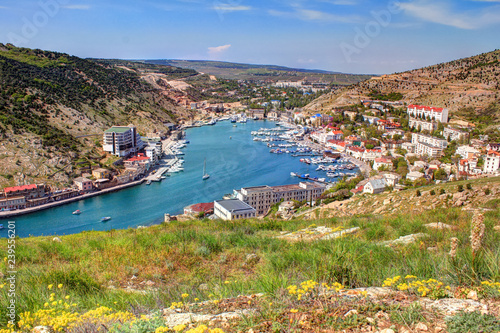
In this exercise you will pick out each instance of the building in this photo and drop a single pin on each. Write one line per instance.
(101, 173)
(493, 147)
(391, 178)
(31, 191)
(206, 208)
(83, 184)
(452, 134)
(233, 209)
(371, 119)
(492, 162)
(371, 154)
(137, 161)
(122, 141)
(382, 163)
(414, 175)
(425, 112)
(12, 203)
(263, 197)
(467, 152)
(375, 186)
(428, 145)
(324, 137)
(430, 126)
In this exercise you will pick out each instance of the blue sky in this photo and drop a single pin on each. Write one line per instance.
(353, 36)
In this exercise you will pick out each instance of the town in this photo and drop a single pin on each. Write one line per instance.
(395, 146)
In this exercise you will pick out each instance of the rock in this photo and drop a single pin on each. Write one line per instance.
(57, 240)
(382, 315)
(472, 295)
(150, 283)
(443, 196)
(421, 327)
(432, 249)
(134, 277)
(405, 240)
(370, 320)
(440, 226)
(404, 330)
(351, 313)
(387, 330)
(458, 203)
(438, 329)
(459, 196)
(387, 201)
(203, 287)
(251, 259)
(497, 228)
(450, 306)
(43, 329)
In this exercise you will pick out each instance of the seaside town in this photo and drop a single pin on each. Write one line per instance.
(380, 145)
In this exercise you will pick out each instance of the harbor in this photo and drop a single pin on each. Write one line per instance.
(233, 160)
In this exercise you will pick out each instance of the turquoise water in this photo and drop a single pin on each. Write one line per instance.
(232, 164)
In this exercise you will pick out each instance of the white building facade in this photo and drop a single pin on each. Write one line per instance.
(122, 141)
(438, 114)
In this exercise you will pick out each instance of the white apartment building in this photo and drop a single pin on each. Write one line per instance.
(233, 209)
(122, 141)
(428, 145)
(438, 114)
(467, 152)
(263, 197)
(452, 134)
(430, 126)
(492, 162)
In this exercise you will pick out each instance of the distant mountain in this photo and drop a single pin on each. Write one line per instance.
(464, 86)
(51, 103)
(229, 70)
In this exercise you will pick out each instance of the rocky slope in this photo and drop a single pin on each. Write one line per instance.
(469, 82)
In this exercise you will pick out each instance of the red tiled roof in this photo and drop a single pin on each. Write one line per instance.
(426, 108)
(138, 158)
(336, 142)
(338, 132)
(202, 207)
(382, 160)
(492, 152)
(20, 188)
(360, 150)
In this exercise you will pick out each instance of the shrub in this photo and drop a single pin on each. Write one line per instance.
(433, 192)
(460, 188)
(469, 322)
(418, 193)
(487, 191)
(442, 191)
(469, 186)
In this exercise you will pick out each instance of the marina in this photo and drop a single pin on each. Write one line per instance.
(233, 161)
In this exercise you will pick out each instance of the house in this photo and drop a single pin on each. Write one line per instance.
(371, 154)
(408, 146)
(391, 178)
(12, 203)
(438, 114)
(101, 173)
(206, 208)
(233, 209)
(382, 162)
(492, 162)
(452, 134)
(136, 161)
(468, 166)
(32, 191)
(375, 186)
(428, 145)
(370, 119)
(421, 125)
(351, 115)
(414, 175)
(467, 152)
(337, 145)
(493, 147)
(83, 184)
(355, 152)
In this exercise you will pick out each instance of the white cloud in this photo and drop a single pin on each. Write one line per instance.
(77, 7)
(441, 12)
(230, 8)
(316, 15)
(217, 51)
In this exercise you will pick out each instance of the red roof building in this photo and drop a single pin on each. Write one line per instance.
(207, 208)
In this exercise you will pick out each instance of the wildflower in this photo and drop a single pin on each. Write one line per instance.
(46, 305)
(67, 297)
(2, 285)
(227, 282)
(294, 310)
(50, 286)
(454, 247)
(59, 285)
(477, 232)
(196, 299)
(185, 295)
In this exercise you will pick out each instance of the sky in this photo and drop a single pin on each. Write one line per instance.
(349, 36)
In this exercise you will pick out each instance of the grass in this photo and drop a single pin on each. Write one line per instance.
(206, 260)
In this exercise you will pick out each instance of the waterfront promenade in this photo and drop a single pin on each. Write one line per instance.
(19, 212)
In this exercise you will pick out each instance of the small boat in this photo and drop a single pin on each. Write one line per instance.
(105, 219)
(77, 212)
(205, 174)
(1, 226)
(148, 182)
(293, 174)
(235, 125)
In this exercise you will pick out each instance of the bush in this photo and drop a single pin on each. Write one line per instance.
(469, 322)
(418, 193)
(469, 186)
(487, 191)
(442, 191)
(433, 192)
(460, 188)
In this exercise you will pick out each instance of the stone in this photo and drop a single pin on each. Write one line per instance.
(387, 330)
(404, 330)
(252, 259)
(351, 313)
(405, 240)
(440, 226)
(421, 327)
(438, 329)
(472, 295)
(134, 277)
(497, 228)
(57, 240)
(451, 306)
(150, 283)
(432, 249)
(43, 329)
(382, 315)
(203, 287)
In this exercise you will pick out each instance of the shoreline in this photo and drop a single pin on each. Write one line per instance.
(19, 212)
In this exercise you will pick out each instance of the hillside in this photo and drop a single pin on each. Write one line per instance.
(237, 71)
(270, 275)
(52, 103)
(470, 82)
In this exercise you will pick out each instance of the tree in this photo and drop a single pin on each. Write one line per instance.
(440, 174)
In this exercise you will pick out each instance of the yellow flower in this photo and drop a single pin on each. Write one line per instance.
(46, 305)
(67, 297)
(196, 299)
(1, 286)
(227, 282)
(179, 328)
(294, 310)
(185, 295)
(50, 286)
(59, 285)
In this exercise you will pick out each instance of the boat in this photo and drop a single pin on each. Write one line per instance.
(293, 174)
(148, 182)
(235, 125)
(205, 174)
(1, 226)
(77, 212)
(105, 219)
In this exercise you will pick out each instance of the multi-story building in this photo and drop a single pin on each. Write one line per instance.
(122, 141)
(382, 163)
(233, 209)
(31, 191)
(453, 134)
(438, 114)
(430, 126)
(263, 197)
(83, 184)
(101, 173)
(467, 152)
(428, 145)
(492, 162)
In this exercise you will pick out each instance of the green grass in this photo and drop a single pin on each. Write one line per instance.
(180, 257)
